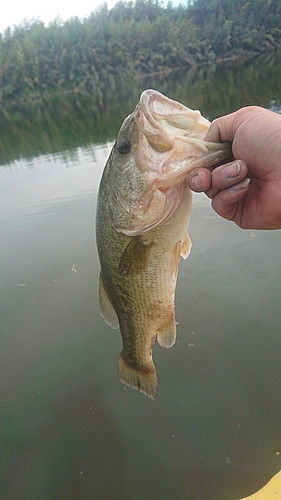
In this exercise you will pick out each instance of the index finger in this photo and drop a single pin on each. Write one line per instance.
(222, 129)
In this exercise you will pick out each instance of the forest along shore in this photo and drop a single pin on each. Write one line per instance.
(133, 39)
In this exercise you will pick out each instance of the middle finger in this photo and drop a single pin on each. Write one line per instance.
(226, 176)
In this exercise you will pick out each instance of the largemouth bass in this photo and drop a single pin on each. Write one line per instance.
(143, 212)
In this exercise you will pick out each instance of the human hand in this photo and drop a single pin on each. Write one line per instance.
(248, 190)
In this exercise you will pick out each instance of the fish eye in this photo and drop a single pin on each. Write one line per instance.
(123, 145)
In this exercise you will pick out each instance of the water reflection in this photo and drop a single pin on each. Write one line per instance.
(68, 123)
(69, 429)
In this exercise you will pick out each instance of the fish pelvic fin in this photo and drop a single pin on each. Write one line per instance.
(166, 335)
(144, 379)
(186, 246)
(106, 307)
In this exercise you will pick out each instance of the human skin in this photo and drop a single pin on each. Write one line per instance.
(246, 191)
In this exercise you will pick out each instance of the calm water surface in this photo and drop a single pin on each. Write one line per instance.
(69, 430)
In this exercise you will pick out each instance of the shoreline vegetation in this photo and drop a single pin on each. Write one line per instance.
(132, 40)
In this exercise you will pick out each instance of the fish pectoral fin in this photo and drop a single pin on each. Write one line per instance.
(166, 335)
(134, 257)
(106, 308)
(144, 378)
(186, 246)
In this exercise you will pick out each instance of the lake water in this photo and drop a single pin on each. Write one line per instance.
(69, 430)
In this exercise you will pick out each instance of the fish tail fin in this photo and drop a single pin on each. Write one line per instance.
(144, 378)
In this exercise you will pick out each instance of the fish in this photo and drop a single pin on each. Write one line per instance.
(142, 217)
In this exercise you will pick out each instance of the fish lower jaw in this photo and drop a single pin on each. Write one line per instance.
(142, 378)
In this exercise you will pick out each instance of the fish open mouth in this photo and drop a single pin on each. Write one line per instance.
(176, 119)
(170, 144)
(173, 136)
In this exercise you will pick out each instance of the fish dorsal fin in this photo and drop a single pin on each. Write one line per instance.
(106, 308)
(167, 333)
(135, 256)
(186, 246)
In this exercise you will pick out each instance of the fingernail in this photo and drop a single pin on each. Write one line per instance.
(196, 181)
(232, 170)
(240, 186)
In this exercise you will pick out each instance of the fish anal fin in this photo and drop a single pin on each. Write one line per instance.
(186, 246)
(144, 378)
(134, 257)
(167, 333)
(106, 308)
